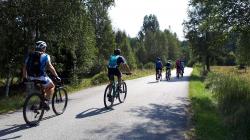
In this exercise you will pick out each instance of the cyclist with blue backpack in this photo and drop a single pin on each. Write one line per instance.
(158, 67)
(115, 61)
(35, 69)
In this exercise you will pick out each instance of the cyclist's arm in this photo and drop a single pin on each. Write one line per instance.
(52, 69)
(24, 72)
(126, 67)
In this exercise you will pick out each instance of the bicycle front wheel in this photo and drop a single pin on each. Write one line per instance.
(108, 97)
(122, 94)
(59, 101)
(33, 109)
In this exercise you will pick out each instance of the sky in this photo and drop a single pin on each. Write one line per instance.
(127, 15)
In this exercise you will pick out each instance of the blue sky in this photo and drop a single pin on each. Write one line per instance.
(127, 15)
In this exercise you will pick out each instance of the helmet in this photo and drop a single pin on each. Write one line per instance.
(117, 51)
(158, 58)
(169, 61)
(40, 45)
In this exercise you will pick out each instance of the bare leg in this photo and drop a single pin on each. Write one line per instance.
(49, 90)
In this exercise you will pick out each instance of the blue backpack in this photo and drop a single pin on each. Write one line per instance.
(158, 64)
(113, 61)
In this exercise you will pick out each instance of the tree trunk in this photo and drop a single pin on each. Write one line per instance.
(208, 62)
(7, 87)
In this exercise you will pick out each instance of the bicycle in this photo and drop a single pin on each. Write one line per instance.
(179, 73)
(34, 105)
(113, 92)
(159, 75)
(168, 74)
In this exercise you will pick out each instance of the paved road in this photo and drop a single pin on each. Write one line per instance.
(152, 110)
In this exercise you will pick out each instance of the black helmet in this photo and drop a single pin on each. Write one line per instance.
(117, 52)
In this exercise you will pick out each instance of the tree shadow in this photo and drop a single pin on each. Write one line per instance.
(163, 122)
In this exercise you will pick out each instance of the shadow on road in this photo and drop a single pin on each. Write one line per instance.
(153, 82)
(18, 127)
(167, 122)
(94, 111)
(12, 129)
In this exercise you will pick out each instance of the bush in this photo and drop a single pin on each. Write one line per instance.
(149, 65)
(99, 78)
(233, 96)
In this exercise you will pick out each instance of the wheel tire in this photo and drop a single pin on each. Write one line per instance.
(60, 97)
(26, 107)
(122, 95)
(108, 104)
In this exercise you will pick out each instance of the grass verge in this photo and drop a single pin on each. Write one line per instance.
(207, 121)
(15, 102)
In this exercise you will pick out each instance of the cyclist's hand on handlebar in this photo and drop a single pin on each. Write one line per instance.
(58, 78)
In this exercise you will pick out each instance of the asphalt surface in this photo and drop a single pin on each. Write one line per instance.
(152, 111)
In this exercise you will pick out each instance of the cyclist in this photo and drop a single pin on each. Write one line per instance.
(182, 65)
(168, 67)
(158, 67)
(36, 70)
(178, 66)
(116, 61)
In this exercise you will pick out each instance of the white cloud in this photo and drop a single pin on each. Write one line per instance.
(127, 15)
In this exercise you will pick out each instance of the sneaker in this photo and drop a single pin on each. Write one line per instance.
(46, 106)
(110, 99)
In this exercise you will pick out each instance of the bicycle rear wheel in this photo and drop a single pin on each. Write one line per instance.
(33, 109)
(108, 97)
(59, 101)
(122, 94)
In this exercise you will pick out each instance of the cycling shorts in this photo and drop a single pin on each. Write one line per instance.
(113, 72)
(46, 79)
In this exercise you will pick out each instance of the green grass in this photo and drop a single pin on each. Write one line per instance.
(207, 121)
(102, 78)
(11, 104)
(15, 102)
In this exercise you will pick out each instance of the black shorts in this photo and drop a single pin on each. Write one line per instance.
(113, 72)
(158, 69)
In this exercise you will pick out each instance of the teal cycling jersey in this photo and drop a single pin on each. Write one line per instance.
(113, 61)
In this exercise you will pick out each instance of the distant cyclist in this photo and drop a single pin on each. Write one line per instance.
(158, 67)
(115, 61)
(182, 65)
(178, 66)
(168, 67)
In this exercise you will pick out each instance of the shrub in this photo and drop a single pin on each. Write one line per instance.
(99, 78)
(149, 65)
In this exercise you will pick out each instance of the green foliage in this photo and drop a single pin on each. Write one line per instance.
(149, 65)
(99, 78)
(214, 27)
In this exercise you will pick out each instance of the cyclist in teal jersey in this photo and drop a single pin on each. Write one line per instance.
(113, 66)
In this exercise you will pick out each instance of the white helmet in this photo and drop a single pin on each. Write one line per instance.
(40, 45)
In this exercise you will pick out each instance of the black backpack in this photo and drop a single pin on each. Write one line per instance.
(34, 64)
